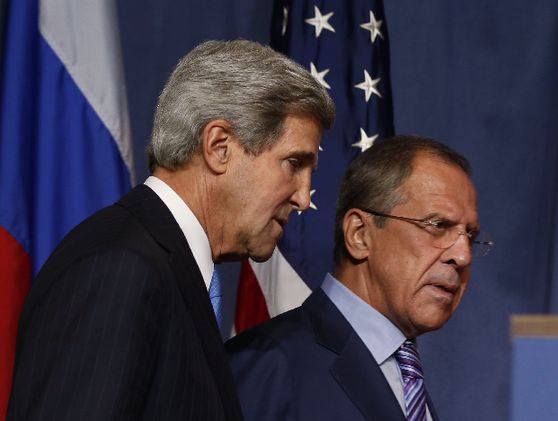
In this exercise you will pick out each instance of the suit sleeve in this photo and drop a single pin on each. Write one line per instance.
(86, 349)
(263, 377)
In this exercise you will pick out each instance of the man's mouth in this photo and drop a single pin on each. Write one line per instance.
(443, 290)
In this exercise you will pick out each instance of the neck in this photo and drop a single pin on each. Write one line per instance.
(354, 277)
(195, 188)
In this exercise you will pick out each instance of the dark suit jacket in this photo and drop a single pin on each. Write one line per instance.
(309, 364)
(118, 325)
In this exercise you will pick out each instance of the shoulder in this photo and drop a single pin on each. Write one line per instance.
(281, 367)
(113, 230)
(284, 344)
(264, 363)
(108, 253)
(281, 331)
(317, 320)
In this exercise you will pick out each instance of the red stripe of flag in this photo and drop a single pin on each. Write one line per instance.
(250, 302)
(15, 280)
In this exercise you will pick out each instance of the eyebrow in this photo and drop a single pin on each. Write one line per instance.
(307, 159)
(469, 227)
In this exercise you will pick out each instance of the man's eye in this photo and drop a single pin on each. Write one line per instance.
(440, 224)
(473, 234)
(295, 163)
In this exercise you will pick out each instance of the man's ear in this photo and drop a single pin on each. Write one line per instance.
(216, 141)
(357, 233)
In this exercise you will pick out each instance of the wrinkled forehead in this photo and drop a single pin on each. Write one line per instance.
(438, 186)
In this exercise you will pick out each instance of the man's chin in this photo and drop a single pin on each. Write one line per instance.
(261, 255)
(260, 258)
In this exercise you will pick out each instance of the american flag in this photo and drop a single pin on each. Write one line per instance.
(344, 44)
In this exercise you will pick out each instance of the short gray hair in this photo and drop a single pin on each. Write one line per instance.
(373, 179)
(245, 83)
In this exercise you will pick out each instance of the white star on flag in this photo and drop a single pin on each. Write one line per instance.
(312, 205)
(319, 76)
(320, 21)
(374, 27)
(369, 86)
(365, 142)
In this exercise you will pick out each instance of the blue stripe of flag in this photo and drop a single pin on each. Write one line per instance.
(58, 162)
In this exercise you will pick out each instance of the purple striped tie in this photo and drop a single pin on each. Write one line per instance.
(413, 384)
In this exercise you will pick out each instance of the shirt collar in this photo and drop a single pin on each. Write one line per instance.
(188, 223)
(379, 334)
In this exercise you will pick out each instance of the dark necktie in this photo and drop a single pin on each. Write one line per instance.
(413, 383)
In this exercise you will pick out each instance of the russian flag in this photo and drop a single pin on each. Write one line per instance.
(65, 144)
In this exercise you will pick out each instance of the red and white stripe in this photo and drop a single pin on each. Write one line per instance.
(266, 290)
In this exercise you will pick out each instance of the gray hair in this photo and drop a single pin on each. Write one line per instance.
(245, 83)
(373, 179)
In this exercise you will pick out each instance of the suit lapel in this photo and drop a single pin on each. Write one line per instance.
(354, 368)
(362, 380)
(143, 203)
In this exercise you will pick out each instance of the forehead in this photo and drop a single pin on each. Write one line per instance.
(438, 187)
(301, 133)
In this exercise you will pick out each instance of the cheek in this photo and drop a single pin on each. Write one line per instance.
(273, 186)
(408, 270)
(424, 268)
(463, 289)
(430, 312)
(427, 314)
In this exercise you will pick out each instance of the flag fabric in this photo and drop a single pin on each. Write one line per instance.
(65, 147)
(345, 47)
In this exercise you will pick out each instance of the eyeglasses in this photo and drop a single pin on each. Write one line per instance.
(445, 233)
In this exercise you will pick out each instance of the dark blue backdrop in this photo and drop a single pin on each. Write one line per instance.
(480, 76)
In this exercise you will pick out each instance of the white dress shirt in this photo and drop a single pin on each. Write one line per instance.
(188, 223)
(379, 334)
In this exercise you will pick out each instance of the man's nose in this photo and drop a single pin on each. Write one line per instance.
(460, 252)
(300, 199)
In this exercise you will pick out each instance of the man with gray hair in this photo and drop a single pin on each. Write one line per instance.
(119, 324)
(405, 234)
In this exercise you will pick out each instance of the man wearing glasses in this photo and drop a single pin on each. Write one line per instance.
(406, 232)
